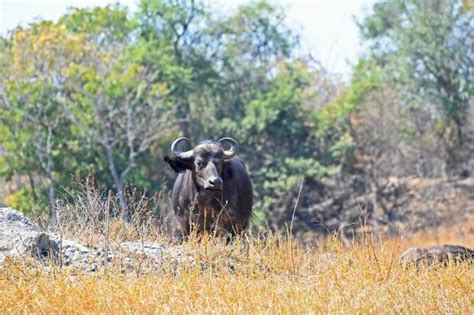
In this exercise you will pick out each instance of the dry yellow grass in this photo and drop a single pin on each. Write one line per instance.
(275, 276)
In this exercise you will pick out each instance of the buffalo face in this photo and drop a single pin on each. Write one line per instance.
(207, 162)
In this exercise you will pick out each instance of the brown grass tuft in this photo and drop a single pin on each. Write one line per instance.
(251, 277)
(271, 274)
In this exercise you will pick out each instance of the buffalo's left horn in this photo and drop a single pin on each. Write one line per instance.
(186, 155)
(234, 147)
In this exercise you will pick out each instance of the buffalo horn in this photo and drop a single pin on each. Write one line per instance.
(234, 147)
(181, 155)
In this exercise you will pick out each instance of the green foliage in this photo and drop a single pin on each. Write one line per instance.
(333, 121)
(24, 200)
(425, 47)
(367, 77)
(35, 131)
(103, 24)
(106, 91)
(114, 89)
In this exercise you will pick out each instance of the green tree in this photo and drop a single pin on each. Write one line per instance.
(34, 130)
(75, 98)
(115, 102)
(427, 48)
(240, 77)
(126, 85)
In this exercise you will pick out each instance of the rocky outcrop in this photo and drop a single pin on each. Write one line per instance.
(20, 237)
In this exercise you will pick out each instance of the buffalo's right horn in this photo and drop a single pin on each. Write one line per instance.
(186, 155)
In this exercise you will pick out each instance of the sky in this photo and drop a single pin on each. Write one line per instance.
(327, 28)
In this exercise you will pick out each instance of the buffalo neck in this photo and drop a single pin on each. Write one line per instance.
(209, 197)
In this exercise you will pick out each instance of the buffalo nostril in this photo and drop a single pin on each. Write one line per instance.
(215, 181)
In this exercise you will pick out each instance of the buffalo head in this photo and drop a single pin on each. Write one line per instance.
(207, 161)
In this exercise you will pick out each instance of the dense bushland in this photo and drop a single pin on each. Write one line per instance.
(105, 91)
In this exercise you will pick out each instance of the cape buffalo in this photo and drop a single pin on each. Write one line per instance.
(213, 191)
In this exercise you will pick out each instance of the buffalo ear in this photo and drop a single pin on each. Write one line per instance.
(179, 165)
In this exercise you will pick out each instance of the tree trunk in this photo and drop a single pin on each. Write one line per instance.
(455, 150)
(119, 186)
(53, 214)
(49, 172)
(32, 187)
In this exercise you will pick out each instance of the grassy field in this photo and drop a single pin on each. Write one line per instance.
(272, 276)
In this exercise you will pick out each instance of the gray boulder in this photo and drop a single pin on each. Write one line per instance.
(20, 236)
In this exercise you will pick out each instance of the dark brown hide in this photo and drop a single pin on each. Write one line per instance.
(210, 193)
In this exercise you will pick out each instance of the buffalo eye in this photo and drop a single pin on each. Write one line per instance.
(200, 164)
